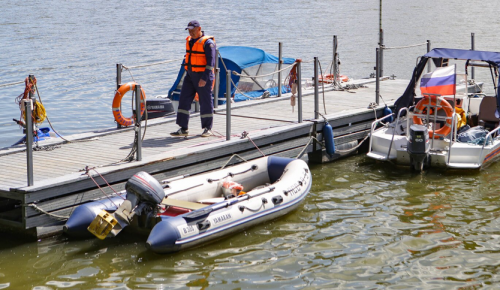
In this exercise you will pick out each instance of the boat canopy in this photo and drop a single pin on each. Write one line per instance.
(440, 56)
(245, 61)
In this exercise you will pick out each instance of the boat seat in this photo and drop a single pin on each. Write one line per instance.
(183, 203)
(487, 110)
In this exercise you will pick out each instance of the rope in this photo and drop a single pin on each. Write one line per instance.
(59, 217)
(355, 147)
(234, 155)
(151, 64)
(309, 142)
(257, 118)
(105, 194)
(11, 84)
(407, 46)
(269, 74)
(245, 134)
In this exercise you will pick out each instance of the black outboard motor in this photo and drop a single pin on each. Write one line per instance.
(158, 107)
(144, 193)
(418, 147)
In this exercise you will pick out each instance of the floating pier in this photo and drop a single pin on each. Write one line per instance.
(67, 174)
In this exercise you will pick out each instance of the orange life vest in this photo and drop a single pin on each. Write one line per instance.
(195, 56)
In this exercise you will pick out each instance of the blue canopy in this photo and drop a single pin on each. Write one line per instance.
(246, 61)
(492, 58)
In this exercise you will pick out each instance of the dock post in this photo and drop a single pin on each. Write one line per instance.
(299, 88)
(28, 107)
(119, 68)
(216, 80)
(280, 62)
(429, 64)
(228, 105)
(138, 93)
(472, 47)
(316, 93)
(377, 75)
(334, 61)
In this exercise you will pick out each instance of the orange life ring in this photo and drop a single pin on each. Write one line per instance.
(440, 103)
(120, 119)
(329, 78)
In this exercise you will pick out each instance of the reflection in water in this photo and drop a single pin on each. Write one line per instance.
(363, 225)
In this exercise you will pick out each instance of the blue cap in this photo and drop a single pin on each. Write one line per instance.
(192, 24)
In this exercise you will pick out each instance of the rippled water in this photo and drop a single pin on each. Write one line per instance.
(364, 224)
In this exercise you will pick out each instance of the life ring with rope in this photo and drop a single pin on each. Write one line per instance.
(330, 78)
(440, 103)
(119, 118)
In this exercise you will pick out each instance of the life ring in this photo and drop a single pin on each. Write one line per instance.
(329, 78)
(441, 103)
(120, 119)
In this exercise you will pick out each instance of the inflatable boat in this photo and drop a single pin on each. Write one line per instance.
(187, 211)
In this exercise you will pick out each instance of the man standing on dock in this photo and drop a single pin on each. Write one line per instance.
(199, 63)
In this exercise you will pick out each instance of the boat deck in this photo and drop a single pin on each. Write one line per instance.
(60, 176)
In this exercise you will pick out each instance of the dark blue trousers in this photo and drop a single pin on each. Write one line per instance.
(188, 91)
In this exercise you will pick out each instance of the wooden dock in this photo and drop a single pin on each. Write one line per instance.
(270, 126)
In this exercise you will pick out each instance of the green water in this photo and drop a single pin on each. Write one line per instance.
(365, 225)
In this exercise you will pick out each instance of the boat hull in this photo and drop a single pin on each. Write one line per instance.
(230, 216)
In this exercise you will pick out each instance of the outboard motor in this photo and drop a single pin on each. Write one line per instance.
(144, 193)
(159, 106)
(418, 147)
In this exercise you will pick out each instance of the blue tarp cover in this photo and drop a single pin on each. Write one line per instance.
(408, 97)
(237, 59)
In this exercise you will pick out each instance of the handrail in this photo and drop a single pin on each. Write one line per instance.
(374, 123)
(486, 142)
(394, 131)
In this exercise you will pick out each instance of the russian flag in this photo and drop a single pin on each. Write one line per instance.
(441, 81)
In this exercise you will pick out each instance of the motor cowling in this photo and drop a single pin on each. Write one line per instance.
(145, 187)
(418, 146)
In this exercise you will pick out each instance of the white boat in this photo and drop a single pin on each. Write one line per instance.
(187, 211)
(456, 130)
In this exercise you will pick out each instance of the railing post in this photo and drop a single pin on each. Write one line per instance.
(334, 61)
(429, 64)
(228, 105)
(316, 93)
(28, 107)
(280, 62)
(377, 75)
(216, 80)
(138, 105)
(299, 88)
(473, 47)
(119, 68)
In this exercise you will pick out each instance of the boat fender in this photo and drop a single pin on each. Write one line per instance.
(277, 199)
(388, 111)
(328, 137)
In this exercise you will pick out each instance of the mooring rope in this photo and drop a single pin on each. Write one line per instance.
(245, 134)
(40, 210)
